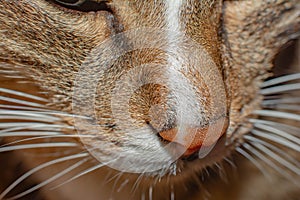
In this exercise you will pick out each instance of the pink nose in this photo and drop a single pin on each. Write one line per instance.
(198, 135)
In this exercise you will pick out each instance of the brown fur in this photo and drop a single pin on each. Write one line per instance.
(47, 44)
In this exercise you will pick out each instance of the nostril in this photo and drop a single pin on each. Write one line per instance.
(195, 137)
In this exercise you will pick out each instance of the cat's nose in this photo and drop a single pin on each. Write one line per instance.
(195, 137)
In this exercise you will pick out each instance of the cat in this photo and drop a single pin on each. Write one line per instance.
(154, 99)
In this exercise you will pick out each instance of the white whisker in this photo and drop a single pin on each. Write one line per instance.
(3, 65)
(44, 134)
(27, 103)
(274, 148)
(23, 82)
(172, 192)
(255, 162)
(267, 161)
(17, 117)
(150, 193)
(28, 133)
(277, 114)
(291, 129)
(136, 183)
(59, 135)
(281, 100)
(283, 107)
(231, 163)
(2, 71)
(273, 97)
(280, 89)
(26, 108)
(39, 145)
(68, 115)
(281, 79)
(14, 77)
(123, 185)
(277, 158)
(16, 114)
(22, 94)
(14, 126)
(116, 182)
(278, 140)
(278, 132)
(53, 178)
(143, 197)
(82, 174)
(261, 146)
(38, 168)
(39, 111)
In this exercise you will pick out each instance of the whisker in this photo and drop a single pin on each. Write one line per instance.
(16, 117)
(277, 158)
(23, 82)
(172, 197)
(261, 145)
(7, 71)
(278, 132)
(60, 135)
(281, 79)
(274, 148)
(150, 193)
(283, 107)
(30, 115)
(38, 168)
(273, 97)
(39, 145)
(280, 89)
(83, 173)
(37, 111)
(32, 128)
(113, 177)
(14, 126)
(282, 100)
(267, 161)
(22, 94)
(4, 66)
(137, 183)
(53, 178)
(277, 114)
(292, 129)
(44, 134)
(123, 185)
(28, 133)
(26, 108)
(255, 162)
(278, 140)
(14, 77)
(231, 163)
(17, 101)
(116, 181)
(143, 197)
(67, 115)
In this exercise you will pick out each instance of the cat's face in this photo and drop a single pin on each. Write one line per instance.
(143, 78)
(157, 88)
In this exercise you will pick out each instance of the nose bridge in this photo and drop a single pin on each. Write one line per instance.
(197, 20)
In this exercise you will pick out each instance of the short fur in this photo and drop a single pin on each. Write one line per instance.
(47, 43)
